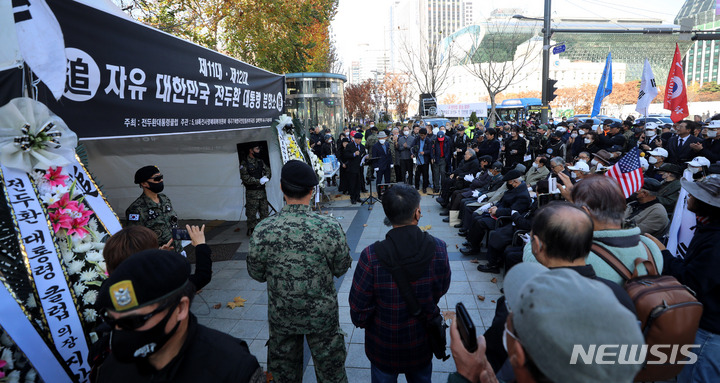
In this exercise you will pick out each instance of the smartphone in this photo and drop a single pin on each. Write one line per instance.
(180, 234)
(466, 327)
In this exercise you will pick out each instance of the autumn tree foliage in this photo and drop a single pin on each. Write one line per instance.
(281, 36)
(451, 98)
(578, 98)
(396, 88)
(359, 99)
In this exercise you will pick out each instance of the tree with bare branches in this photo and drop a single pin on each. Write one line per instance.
(500, 54)
(427, 63)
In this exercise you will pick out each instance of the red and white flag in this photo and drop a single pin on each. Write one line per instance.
(628, 173)
(675, 91)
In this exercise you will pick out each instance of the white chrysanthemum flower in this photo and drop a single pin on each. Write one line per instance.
(98, 245)
(88, 275)
(5, 341)
(93, 224)
(31, 301)
(94, 256)
(81, 246)
(30, 376)
(14, 377)
(101, 268)
(90, 297)
(8, 357)
(60, 190)
(75, 267)
(79, 288)
(66, 253)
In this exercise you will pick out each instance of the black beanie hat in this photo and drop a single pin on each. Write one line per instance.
(299, 174)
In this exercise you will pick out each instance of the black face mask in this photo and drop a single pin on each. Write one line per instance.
(509, 185)
(128, 345)
(156, 187)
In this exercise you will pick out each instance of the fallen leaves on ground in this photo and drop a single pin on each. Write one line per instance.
(457, 247)
(448, 315)
(217, 306)
(474, 260)
(239, 301)
(494, 280)
(231, 305)
(492, 301)
(365, 225)
(482, 298)
(426, 227)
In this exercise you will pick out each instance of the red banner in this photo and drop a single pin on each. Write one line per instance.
(675, 91)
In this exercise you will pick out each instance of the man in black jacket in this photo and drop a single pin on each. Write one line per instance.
(489, 146)
(456, 180)
(516, 198)
(353, 154)
(460, 144)
(613, 138)
(680, 146)
(155, 337)
(699, 270)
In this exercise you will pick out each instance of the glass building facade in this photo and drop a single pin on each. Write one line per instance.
(316, 99)
(701, 59)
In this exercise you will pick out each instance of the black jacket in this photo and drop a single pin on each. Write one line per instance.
(679, 155)
(519, 146)
(699, 271)
(467, 167)
(517, 199)
(489, 148)
(207, 356)
(353, 161)
(609, 140)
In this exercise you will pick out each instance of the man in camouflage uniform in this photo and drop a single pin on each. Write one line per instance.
(153, 209)
(298, 252)
(254, 175)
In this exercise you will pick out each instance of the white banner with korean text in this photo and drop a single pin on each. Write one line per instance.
(46, 272)
(463, 110)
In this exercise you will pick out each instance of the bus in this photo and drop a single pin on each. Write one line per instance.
(516, 109)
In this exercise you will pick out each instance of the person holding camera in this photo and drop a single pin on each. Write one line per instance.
(153, 209)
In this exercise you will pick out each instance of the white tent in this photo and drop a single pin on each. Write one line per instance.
(200, 163)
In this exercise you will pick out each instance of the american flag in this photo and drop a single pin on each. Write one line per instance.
(628, 172)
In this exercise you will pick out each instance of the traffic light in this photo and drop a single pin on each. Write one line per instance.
(551, 88)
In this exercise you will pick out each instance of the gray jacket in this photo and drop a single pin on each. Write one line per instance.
(405, 151)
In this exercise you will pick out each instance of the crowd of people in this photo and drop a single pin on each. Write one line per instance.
(532, 196)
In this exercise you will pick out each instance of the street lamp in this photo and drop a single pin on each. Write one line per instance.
(547, 32)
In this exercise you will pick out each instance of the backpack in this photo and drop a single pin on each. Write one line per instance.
(668, 312)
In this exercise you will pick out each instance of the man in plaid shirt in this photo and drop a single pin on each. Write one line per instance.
(395, 340)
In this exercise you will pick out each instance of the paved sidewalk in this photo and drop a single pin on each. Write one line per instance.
(363, 227)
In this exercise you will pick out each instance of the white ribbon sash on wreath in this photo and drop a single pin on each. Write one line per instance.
(94, 198)
(14, 321)
(47, 274)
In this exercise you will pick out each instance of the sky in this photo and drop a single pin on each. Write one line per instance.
(368, 21)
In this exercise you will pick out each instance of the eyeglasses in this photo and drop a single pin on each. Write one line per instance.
(157, 178)
(133, 322)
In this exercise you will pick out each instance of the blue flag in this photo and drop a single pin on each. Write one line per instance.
(605, 87)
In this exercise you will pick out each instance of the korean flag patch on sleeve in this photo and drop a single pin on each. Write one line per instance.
(133, 217)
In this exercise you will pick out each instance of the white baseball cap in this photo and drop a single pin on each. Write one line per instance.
(659, 152)
(650, 126)
(714, 124)
(698, 162)
(580, 165)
